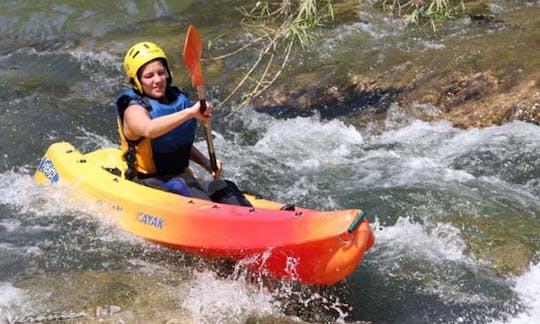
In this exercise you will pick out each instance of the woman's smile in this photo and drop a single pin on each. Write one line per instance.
(154, 79)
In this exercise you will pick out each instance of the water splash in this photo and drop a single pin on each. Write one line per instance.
(9, 296)
(210, 299)
(528, 288)
(437, 242)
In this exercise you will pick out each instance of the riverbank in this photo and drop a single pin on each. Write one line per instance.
(481, 70)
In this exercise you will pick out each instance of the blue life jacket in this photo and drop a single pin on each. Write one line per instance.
(166, 154)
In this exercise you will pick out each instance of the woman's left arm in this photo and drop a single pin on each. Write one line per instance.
(199, 158)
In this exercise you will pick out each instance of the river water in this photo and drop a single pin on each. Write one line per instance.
(455, 212)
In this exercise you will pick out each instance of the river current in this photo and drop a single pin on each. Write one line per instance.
(455, 212)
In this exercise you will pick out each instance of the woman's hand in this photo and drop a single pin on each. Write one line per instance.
(205, 117)
(199, 158)
(217, 173)
(196, 111)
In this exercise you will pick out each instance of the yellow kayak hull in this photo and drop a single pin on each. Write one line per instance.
(313, 247)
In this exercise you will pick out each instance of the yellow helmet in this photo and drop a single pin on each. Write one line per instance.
(140, 54)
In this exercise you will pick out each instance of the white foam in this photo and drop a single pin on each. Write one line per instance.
(308, 143)
(9, 294)
(10, 225)
(89, 60)
(10, 298)
(36, 200)
(422, 153)
(440, 241)
(495, 137)
(92, 140)
(22, 191)
(210, 299)
(32, 198)
(528, 288)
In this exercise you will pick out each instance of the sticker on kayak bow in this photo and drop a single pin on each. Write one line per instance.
(47, 168)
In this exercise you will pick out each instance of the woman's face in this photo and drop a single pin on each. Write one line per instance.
(154, 79)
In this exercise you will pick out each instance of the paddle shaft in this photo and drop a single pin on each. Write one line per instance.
(207, 129)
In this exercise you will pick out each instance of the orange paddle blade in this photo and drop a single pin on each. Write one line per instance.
(192, 55)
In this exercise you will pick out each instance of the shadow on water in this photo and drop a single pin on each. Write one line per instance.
(349, 103)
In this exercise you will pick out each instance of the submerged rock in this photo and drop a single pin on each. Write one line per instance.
(504, 244)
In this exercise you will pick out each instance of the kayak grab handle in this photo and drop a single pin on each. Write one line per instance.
(356, 222)
(347, 237)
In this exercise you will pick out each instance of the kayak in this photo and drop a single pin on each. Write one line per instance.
(299, 244)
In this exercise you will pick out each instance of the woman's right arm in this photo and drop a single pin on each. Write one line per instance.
(137, 121)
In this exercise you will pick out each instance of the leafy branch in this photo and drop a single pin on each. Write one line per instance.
(278, 27)
(420, 11)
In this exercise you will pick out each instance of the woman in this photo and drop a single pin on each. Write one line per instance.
(157, 123)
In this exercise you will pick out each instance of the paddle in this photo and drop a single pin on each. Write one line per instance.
(192, 59)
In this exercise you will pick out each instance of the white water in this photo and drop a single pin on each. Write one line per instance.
(417, 154)
(213, 300)
(528, 288)
(414, 155)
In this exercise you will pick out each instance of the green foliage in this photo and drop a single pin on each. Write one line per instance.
(422, 11)
(278, 25)
(308, 16)
(289, 19)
